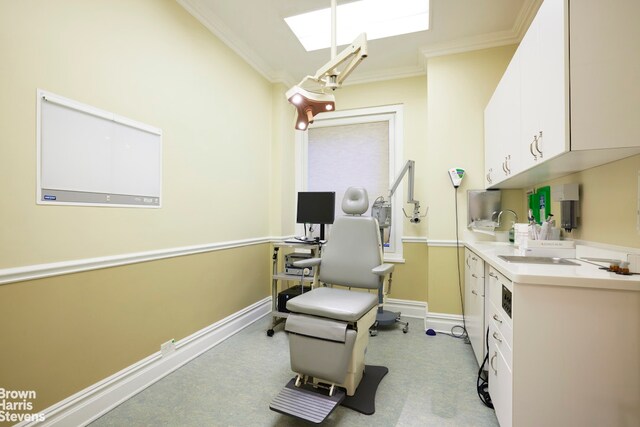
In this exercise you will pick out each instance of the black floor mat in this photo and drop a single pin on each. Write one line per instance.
(364, 399)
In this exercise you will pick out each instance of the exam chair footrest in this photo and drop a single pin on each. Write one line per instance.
(305, 402)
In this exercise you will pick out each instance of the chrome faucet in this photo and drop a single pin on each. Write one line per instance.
(507, 210)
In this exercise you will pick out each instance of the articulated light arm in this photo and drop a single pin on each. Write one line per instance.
(309, 103)
(381, 208)
(329, 73)
(407, 167)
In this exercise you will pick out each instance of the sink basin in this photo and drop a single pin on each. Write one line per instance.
(537, 260)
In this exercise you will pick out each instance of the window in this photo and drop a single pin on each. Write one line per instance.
(355, 148)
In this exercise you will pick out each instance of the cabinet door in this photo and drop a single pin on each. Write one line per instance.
(605, 65)
(500, 384)
(553, 138)
(530, 96)
(491, 128)
(502, 127)
(474, 304)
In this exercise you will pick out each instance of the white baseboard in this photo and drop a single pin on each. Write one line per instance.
(94, 401)
(439, 322)
(443, 322)
(408, 308)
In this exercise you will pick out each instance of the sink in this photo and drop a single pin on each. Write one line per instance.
(537, 260)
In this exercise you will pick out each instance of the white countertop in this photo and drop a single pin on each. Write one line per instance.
(586, 275)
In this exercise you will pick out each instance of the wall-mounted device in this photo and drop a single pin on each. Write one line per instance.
(381, 209)
(483, 209)
(568, 196)
(456, 175)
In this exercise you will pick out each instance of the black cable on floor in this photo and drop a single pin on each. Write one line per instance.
(482, 383)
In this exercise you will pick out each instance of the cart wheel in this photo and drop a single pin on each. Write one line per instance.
(269, 332)
(373, 332)
(405, 329)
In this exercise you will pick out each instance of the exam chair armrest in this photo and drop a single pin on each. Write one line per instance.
(306, 263)
(383, 269)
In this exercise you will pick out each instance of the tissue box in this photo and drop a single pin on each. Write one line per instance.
(552, 248)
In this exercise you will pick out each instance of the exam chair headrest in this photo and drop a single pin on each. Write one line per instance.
(355, 201)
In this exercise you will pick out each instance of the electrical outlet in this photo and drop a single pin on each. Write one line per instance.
(634, 262)
(168, 348)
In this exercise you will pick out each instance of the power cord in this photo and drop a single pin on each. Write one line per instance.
(482, 383)
(463, 335)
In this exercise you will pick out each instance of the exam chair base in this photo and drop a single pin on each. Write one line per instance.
(315, 404)
(387, 318)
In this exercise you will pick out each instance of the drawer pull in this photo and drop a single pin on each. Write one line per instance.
(474, 292)
(495, 335)
(495, 371)
(497, 319)
(491, 273)
(474, 275)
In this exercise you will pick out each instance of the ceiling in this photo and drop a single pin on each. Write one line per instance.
(255, 30)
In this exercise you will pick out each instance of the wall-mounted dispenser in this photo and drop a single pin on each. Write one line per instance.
(568, 196)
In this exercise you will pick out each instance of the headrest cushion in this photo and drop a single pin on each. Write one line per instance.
(355, 201)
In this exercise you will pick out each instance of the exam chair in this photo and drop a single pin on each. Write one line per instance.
(328, 327)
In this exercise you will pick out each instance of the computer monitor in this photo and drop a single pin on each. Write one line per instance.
(316, 207)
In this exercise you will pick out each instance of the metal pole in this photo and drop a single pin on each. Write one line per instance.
(333, 29)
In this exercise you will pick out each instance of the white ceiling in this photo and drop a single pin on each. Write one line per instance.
(255, 29)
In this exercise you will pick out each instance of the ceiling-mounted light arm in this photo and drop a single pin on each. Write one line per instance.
(329, 74)
(309, 103)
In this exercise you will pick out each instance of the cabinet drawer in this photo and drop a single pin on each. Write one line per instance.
(500, 332)
(496, 282)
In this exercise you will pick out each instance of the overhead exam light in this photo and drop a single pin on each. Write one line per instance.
(309, 103)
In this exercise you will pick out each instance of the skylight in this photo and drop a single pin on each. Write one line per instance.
(377, 18)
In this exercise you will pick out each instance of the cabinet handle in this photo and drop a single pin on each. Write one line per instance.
(474, 258)
(468, 262)
(535, 158)
(506, 162)
(497, 337)
(504, 167)
(492, 274)
(536, 140)
(495, 354)
(474, 292)
(474, 275)
(497, 319)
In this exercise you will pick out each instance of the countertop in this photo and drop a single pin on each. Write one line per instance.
(586, 275)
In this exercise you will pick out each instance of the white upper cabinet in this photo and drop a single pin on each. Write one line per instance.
(569, 99)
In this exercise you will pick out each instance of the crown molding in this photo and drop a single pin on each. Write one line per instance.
(224, 33)
(387, 74)
(249, 55)
(486, 41)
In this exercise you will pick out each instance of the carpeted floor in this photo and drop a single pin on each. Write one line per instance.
(431, 382)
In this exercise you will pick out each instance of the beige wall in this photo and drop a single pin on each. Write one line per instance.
(65, 333)
(460, 87)
(151, 61)
(608, 203)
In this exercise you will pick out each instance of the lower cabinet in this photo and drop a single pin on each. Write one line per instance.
(474, 303)
(563, 355)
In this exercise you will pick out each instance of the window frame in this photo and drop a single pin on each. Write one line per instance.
(393, 114)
